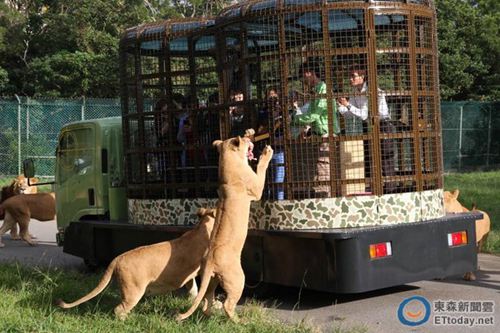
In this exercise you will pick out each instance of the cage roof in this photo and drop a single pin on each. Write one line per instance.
(151, 36)
(252, 7)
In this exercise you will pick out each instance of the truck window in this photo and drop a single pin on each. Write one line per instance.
(75, 152)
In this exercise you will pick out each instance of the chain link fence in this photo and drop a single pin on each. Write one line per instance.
(470, 136)
(29, 128)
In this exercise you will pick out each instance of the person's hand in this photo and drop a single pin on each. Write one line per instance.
(343, 101)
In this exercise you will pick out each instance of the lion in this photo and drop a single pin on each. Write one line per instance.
(239, 185)
(23, 207)
(157, 268)
(19, 185)
(452, 205)
(21, 182)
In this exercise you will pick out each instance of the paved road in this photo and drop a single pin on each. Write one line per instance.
(375, 311)
(46, 253)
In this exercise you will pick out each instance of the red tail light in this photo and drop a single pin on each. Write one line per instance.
(380, 250)
(457, 238)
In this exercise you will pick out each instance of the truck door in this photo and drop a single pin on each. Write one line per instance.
(76, 174)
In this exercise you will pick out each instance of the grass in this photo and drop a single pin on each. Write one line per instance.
(482, 189)
(27, 299)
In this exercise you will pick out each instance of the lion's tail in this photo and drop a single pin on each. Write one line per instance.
(106, 278)
(205, 281)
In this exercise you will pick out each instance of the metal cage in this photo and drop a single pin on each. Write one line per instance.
(346, 93)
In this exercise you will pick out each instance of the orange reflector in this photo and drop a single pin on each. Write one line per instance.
(457, 238)
(380, 250)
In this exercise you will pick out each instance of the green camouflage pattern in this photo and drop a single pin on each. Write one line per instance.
(341, 212)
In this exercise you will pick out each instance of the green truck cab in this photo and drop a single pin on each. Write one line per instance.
(89, 177)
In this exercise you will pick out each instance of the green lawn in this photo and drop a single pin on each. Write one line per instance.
(482, 189)
(27, 295)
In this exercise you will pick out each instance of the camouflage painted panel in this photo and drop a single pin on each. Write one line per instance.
(166, 212)
(400, 208)
(432, 204)
(302, 214)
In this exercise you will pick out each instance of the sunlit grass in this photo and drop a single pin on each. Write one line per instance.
(26, 305)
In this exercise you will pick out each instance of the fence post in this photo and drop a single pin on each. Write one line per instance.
(18, 134)
(27, 119)
(83, 108)
(460, 138)
(488, 149)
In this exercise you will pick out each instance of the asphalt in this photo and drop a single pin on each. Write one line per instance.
(372, 312)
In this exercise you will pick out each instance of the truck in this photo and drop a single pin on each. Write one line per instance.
(92, 224)
(340, 212)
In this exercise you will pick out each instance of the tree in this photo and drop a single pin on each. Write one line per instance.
(69, 48)
(469, 45)
(4, 78)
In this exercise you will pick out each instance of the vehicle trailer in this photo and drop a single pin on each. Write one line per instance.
(350, 205)
(331, 260)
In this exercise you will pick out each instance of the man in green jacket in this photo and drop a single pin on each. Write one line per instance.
(318, 157)
(317, 115)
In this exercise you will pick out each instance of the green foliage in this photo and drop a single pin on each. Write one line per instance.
(4, 78)
(8, 140)
(70, 47)
(469, 49)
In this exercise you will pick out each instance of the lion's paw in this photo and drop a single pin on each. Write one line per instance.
(267, 154)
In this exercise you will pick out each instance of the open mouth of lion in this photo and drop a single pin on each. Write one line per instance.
(250, 155)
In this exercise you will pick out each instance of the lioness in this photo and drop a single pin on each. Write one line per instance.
(452, 205)
(156, 268)
(482, 226)
(239, 185)
(21, 208)
(19, 185)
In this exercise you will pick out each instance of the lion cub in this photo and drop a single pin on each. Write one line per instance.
(157, 268)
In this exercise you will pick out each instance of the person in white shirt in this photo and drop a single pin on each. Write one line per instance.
(357, 106)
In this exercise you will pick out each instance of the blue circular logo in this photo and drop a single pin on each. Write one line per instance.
(414, 311)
